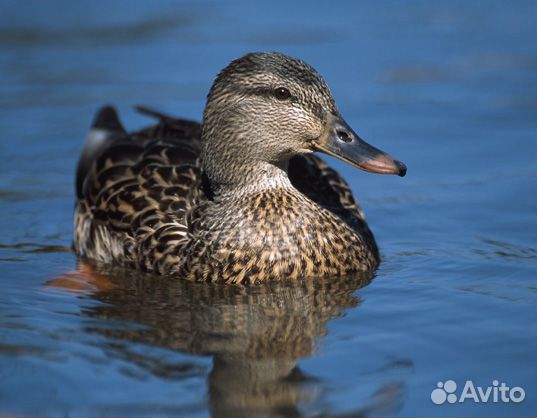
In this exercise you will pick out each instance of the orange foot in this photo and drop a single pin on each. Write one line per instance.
(84, 280)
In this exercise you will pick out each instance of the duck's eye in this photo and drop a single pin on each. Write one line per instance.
(281, 93)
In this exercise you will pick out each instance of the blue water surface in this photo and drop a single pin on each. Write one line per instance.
(448, 87)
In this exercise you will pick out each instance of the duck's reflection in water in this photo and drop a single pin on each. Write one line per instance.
(254, 334)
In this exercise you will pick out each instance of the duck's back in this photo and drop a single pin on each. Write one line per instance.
(136, 192)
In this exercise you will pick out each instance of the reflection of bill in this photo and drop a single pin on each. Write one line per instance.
(255, 334)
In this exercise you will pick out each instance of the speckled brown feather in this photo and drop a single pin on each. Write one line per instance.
(140, 189)
(136, 194)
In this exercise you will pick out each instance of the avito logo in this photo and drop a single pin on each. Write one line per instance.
(446, 391)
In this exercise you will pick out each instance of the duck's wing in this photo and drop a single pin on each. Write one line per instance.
(134, 189)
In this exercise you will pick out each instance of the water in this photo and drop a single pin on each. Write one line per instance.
(447, 87)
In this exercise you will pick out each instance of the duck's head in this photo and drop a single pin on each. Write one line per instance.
(264, 108)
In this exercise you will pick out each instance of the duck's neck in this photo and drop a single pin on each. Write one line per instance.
(251, 178)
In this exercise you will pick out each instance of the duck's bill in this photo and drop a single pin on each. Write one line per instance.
(340, 141)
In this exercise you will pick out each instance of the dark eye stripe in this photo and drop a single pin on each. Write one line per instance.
(254, 91)
(265, 92)
(315, 108)
(268, 92)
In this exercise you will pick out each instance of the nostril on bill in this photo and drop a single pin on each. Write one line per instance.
(343, 136)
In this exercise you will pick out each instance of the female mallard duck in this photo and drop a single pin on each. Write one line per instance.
(239, 199)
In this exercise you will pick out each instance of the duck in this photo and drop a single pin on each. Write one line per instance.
(240, 198)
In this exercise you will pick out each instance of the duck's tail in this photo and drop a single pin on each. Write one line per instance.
(105, 126)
